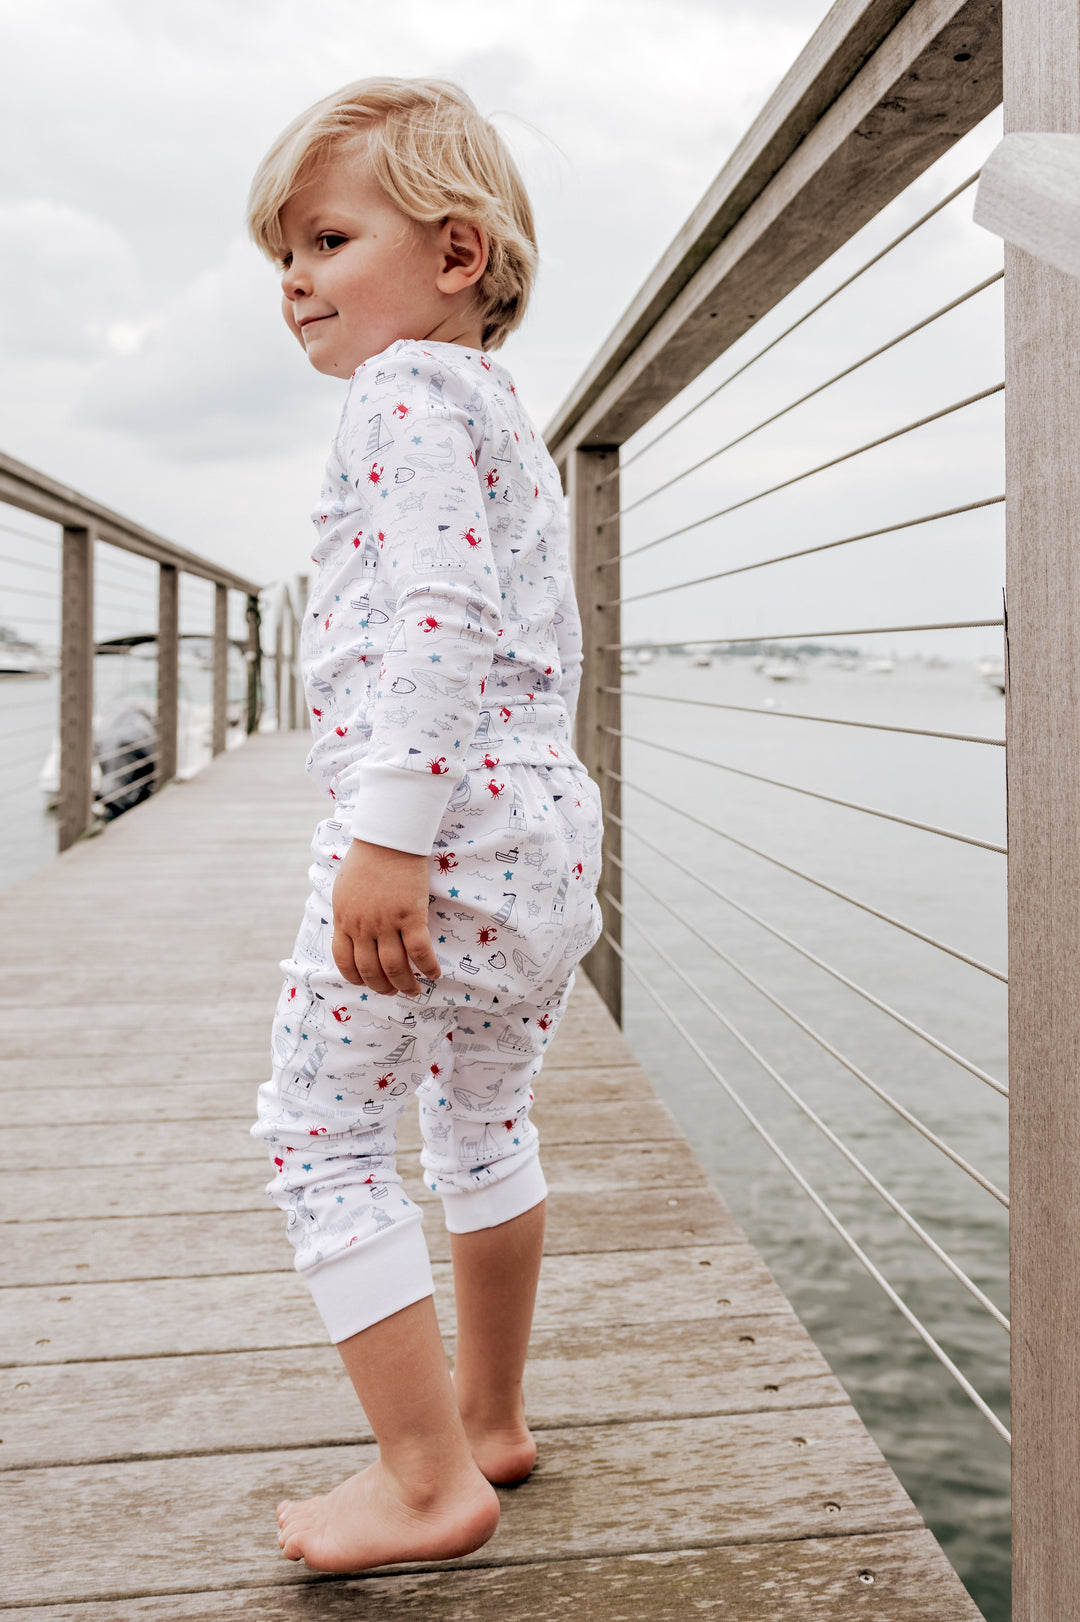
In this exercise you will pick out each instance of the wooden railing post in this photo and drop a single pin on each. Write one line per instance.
(297, 719)
(594, 497)
(168, 677)
(76, 685)
(1042, 429)
(254, 665)
(221, 665)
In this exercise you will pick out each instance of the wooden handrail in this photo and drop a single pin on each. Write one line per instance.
(879, 93)
(34, 492)
(84, 521)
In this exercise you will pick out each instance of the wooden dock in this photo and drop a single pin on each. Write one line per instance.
(165, 1378)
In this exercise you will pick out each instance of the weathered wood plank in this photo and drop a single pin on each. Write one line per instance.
(226, 1185)
(251, 1312)
(157, 1098)
(896, 1576)
(1042, 481)
(667, 1485)
(77, 1413)
(43, 1147)
(179, 1246)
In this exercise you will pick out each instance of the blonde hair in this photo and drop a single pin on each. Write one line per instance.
(433, 155)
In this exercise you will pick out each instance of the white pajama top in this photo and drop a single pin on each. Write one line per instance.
(442, 634)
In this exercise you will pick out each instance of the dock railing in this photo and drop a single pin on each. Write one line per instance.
(880, 95)
(53, 585)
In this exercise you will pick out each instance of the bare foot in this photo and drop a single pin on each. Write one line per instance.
(504, 1454)
(369, 1520)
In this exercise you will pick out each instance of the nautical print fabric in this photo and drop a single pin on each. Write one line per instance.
(442, 634)
(514, 870)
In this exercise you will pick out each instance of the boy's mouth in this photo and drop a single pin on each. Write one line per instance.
(310, 320)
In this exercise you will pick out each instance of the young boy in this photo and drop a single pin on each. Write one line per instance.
(453, 885)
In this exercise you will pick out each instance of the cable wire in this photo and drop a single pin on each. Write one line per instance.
(834, 1222)
(820, 305)
(841, 895)
(804, 552)
(879, 1188)
(834, 461)
(794, 715)
(887, 1098)
(818, 389)
(802, 636)
(813, 794)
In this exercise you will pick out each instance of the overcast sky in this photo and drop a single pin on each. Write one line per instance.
(145, 361)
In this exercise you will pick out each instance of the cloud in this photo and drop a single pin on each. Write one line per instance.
(78, 289)
(214, 374)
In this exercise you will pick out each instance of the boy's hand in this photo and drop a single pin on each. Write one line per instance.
(381, 919)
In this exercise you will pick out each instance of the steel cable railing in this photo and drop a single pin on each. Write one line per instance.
(807, 473)
(805, 552)
(805, 636)
(813, 794)
(834, 1221)
(789, 1013)
(797, 872)
(820, 305)
(819, 388)
(795, 715)
(837, 974)
(796, 1098)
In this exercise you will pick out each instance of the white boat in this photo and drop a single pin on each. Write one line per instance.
(20, 658)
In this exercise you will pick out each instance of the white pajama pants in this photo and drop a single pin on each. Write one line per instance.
(512, 909)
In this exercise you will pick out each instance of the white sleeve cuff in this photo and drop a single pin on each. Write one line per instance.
(399, 807)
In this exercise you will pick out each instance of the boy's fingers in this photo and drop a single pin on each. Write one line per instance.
(371, 969)
(394, 962)
(418, 945)
(345, 958)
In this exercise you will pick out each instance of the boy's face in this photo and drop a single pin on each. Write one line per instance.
(359, 274)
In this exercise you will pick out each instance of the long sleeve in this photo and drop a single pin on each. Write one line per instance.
(408, 448)
(568, 632)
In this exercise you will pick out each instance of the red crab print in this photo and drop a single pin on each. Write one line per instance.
(436, 1070)
(438, 767)
(341, 731)
(381, 538)
(342, 1015)
(484, 937)
(376, 473)
(471, 536)
(316, 713)
(544, 1022)
(504, 713)
(577, 870)
(385, 1081)
(509, 1125)
(490, 762)
(317, 1131)
(429, 623)
(446, 861)
(483, 684)
(401, 411)
(491, 478)
(496, 790)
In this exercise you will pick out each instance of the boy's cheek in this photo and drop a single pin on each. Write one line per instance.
(287, 312)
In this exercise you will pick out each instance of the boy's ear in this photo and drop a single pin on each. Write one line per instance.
(465, 255)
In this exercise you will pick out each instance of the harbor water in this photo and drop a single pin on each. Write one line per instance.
(946, 1454)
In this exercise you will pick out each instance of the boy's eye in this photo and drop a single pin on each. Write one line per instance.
(331, 239)
(285, 261)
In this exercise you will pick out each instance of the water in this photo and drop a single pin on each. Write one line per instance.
(946, 1454)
